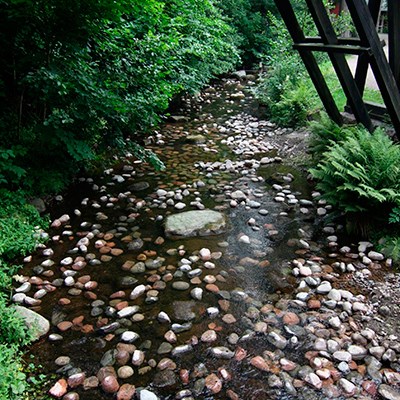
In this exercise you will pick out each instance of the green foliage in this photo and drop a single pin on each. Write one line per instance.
(292, 109)
(324, 132)
(390, 247)
(249, 17)
(81, 77)
(394, 217)
(285, 88)
(19, 225)
(360, 175)
(12, 379)
(282, 87)
(12, 327)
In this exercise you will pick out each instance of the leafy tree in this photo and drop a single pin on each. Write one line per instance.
(80, 77)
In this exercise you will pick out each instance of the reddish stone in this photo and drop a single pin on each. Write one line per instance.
(127, 265)
(370, 387)
(76, 380)
(84, 279)
(291, 318)
(78, 266)
(287, 365)
(126, 392)
(64, 326)
(153, 278)
(118, 295)
(87, 328)
(267, 308)
(106, 371)
(91, 285)
(240, 354)
(78, 320)
(122, 357)
(297, 383)
(213, 383)
(167, 363)
(141, 257)
(184, 375)
(90, 295)
(130, 348)
(116, 252)
(34, 280)
(59, 389)
(264, 264)
(110, 384)
(211, 287)
(104, 250)
(123, 304)
(64, 301)
(314, 304)
(260, 363)
(195, 281)
(224, 305)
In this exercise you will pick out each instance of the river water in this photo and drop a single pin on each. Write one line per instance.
(247, 284)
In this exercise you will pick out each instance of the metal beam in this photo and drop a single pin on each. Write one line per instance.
(328, 35)
(383, 74)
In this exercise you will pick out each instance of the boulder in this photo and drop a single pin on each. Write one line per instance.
(195, 223)
(37, 324)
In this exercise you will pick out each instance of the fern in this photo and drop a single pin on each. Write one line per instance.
(360, 174)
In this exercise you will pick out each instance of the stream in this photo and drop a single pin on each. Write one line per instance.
(248, 313)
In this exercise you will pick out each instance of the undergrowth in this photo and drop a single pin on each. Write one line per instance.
(20, 233)
(359, 174)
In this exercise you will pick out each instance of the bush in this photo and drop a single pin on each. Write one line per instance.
(19, 225)
(360, 176)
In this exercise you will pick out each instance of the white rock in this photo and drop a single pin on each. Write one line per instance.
(129, 337)
(324, 288)
(197, 293)
(313, 380)
(163, 317)
(137, 292)
(244, 239)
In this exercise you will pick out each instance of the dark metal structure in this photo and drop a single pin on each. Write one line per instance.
(367, 46)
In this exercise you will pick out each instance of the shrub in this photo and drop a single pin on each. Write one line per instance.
(360, 175)
(12, 379)
(19, 225)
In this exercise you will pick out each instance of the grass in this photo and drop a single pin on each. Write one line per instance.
(370, 95)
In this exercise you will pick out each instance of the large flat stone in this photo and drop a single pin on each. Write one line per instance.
(195, 223)
(37, 324)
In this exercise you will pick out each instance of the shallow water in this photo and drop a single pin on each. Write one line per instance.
(262, 284)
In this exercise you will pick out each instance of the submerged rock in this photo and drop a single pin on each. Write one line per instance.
(195, 223)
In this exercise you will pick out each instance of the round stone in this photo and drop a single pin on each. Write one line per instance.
(180, 285)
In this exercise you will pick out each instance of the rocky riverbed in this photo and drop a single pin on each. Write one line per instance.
(218, 278)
